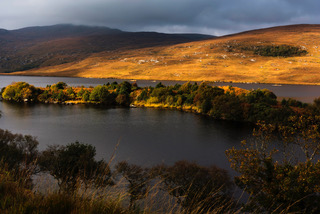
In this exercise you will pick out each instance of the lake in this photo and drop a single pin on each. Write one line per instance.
(144, 136)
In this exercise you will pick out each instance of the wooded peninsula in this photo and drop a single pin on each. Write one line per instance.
(227, 103)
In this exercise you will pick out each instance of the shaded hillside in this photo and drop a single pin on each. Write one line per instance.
(60, 31)
(287, 54)
(37, 47)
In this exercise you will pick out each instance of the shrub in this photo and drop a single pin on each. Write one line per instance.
(196, 187)
(73, 165)
(18, 154)
(279, 50)
(138, 179)
(281, 182)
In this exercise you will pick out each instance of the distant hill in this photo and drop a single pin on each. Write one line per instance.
(39, 47)
(60, 31)
(281, 55)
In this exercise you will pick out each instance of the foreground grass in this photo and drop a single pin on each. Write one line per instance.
(15, 198)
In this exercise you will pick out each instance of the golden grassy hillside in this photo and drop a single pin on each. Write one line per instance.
(228, 58)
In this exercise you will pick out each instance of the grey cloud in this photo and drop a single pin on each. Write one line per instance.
(204, 16)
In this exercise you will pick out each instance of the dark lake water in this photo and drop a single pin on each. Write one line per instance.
(145, 136)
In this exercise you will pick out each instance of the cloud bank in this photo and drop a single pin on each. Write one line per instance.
(216, 17)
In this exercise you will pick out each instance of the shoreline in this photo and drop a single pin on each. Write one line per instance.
(133, 79)
(212, 101)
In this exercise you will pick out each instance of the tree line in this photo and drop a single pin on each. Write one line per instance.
(227, 103)
(108, 94)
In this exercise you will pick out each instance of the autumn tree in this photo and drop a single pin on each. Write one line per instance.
(20, 91)
(275, 176)
(99, 94)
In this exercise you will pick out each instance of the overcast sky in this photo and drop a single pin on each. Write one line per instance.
(216, 17)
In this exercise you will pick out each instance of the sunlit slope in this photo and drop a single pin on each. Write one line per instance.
(230, 58)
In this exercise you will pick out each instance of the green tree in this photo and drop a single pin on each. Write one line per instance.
(59, 85)
(186, 88)
(125, 88)
(71, 93)
(81, 92)
(61, 96)
(100, 94)
(86, 95)
(206, 93)
(44, 95)
(261, 96)
(143, 95)
(169, 100)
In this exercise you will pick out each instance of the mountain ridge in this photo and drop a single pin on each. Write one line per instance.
(37, 47)
(62, 30)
